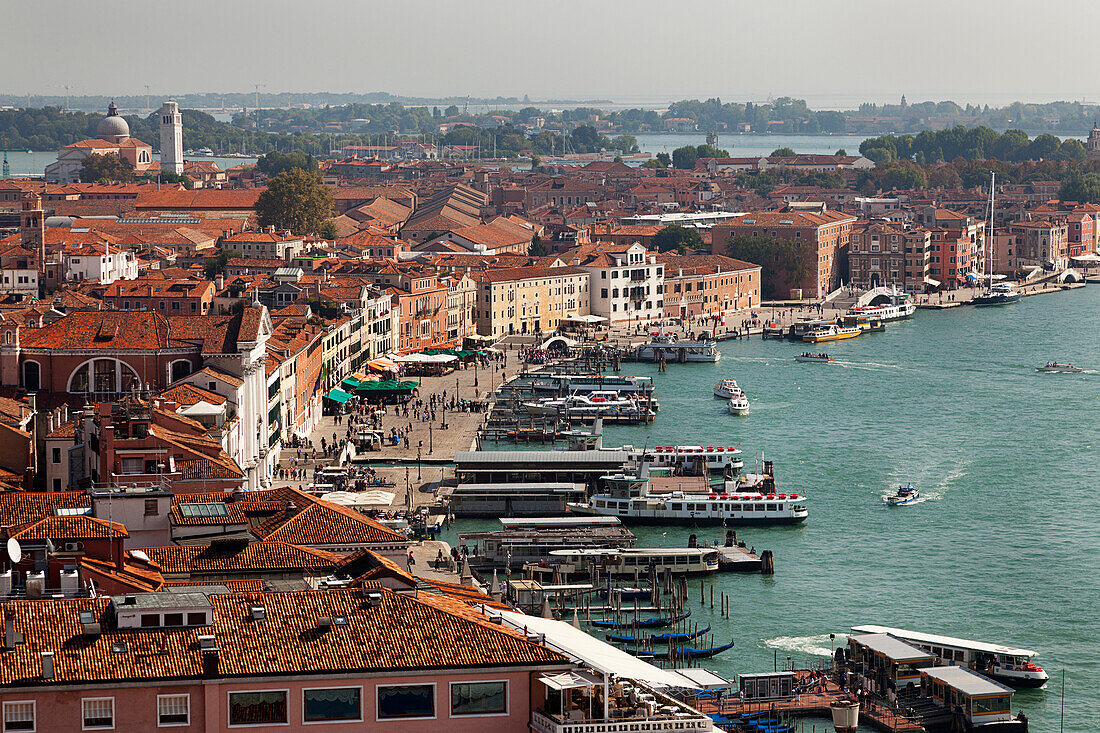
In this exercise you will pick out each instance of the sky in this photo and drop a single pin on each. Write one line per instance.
(833, 53)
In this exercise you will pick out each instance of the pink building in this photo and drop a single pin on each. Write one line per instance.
(367, 658)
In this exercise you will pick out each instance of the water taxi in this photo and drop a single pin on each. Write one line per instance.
(739, 405)
(904, 495)
(1053, 367)
(814, 358)
(1005, 664)
(831, 332)
(727, 388)
(629, 498)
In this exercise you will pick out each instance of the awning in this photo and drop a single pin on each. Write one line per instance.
(569, 680)
(350, 383)
(425, 358)
(387, 385)
(594, 653)
(1088, 257)
(338, 395)
(930, 281)
(382, 364)
(585, 319)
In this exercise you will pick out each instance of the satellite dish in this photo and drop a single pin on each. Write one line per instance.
(15, 551)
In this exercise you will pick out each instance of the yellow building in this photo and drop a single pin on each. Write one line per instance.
(529, 299)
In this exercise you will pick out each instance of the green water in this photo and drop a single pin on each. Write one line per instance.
(1003, 546)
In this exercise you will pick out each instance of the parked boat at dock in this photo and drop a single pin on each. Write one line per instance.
(658, 622)
(999, 294)
(897, 305)
(638, 561)
(602, 404)
(670, 349)
(668, 637)
(629, 498)
(567, 384)
(1005, 664)
(831, 332)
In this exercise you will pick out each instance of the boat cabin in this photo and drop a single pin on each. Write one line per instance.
(983, 704)
(514, 500)
(639, 561)
(891, 662)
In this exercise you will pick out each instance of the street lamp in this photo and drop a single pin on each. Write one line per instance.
(476, 360)
(429, 438)
(419, 446)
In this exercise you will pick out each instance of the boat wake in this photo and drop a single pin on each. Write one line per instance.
(817, 645)
(873, 366)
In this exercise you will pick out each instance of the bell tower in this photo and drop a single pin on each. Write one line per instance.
(1092, 146)
(171, 138)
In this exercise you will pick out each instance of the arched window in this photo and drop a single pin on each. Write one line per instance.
(104, 376)
(32, 376)
(180, 369)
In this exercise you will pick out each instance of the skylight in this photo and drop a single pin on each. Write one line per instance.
(217, 509)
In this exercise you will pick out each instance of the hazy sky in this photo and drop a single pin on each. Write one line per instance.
(831, 52)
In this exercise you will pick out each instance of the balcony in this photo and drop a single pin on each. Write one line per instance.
(631, 708)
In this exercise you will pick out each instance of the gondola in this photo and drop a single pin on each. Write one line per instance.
(642, 623)
(668, 637)
(685, 652)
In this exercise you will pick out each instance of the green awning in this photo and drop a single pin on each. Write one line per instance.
(350, 383)
(387, 385)
(338, 395)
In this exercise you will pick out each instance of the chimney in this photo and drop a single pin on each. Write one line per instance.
(47, 665)
(219, 282)
(11, 637)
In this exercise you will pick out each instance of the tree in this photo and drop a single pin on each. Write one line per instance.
(214, 266)
(106, 168)
(295, 200)
(538, 248)
(275, 162)
(783, 153)
(781, 262)
(451, 111)
(625, 143)
(536, 162)
(904, 176)
(664, 159)
(841, 152)
(684, 158)
(652, 163)
(170, 177)
(944, 176)
(328, 230)
(676, 237)
(1080, 187)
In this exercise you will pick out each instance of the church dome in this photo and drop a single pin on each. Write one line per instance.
(112, 126)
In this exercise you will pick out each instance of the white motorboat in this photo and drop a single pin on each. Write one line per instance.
(907, 494)
(739, 405)
(727, 388)
(1054, 367)
(896, 307)
(561, 384)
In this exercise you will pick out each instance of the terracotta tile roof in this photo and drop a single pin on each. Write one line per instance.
(206, 199)
(219, 374)
(68, 430)
(225, 557)
(136, 574)
(252, 585)
(17, 510)
(81, 527)
(325, 523)
(186, 395)
(761, 219)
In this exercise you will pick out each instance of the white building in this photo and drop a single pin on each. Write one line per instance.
(171, 138)
(626, 283)
(97, 262)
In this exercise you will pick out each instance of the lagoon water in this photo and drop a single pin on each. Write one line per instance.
(1004, 545)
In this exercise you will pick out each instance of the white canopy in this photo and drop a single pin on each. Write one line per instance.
(374, 497)
(598, 655)
(1089, 257)
(425, 358)
(569, 680)
(590, 318)
(931, 281)
(203, 408)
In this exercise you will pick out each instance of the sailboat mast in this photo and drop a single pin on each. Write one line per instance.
(989, 259)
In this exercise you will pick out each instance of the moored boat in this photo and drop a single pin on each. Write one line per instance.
(1002, 663)
(591, 405)
(642, 623)
(670, 349)
(999, 294)
(668, 637)
(832, 332)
